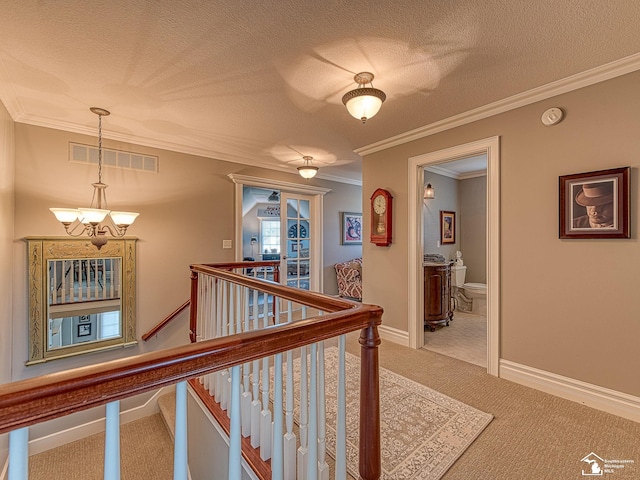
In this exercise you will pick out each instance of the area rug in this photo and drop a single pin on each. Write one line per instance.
(423, 432)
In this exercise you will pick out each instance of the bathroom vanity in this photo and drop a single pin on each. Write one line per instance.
(437, 294)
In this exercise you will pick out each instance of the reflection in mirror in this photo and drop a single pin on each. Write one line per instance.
(84, 301)
(81, 299)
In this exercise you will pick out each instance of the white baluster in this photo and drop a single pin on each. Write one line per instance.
(180, 469)
(341, 418)
(265, 414)
(235, 443)
(303, 449)
(246, 370)
(19, 454)
(289, 437)
(277, 457)
(312, 466)
(112, 442)
(323, 467)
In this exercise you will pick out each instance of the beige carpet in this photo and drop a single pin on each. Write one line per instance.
(422, 431)
(465, 338)
(146, 452)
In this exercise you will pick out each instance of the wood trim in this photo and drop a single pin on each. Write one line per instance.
(38, 399)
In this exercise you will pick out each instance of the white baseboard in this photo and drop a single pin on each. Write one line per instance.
(394, 335)
(78, 432)
(594, 396)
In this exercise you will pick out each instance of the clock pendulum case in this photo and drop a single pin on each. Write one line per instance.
(381, 213)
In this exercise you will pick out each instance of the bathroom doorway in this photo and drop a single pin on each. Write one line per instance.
(418, 245)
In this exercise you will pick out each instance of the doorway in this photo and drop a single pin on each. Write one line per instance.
(278, 220)
(490, 148)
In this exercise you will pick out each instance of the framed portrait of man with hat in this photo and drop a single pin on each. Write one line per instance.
(595, 204)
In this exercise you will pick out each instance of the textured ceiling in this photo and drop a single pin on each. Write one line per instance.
(261, 82)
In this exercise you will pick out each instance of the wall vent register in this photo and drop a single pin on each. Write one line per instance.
(79, 153)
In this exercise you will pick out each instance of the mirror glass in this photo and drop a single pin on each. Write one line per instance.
(81, 298)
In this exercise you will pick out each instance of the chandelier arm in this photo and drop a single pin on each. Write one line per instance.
(113, 229)
(71, 228)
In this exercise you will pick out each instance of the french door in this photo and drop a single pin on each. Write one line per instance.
(297, 241)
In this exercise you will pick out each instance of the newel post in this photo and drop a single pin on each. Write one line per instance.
(193, 311)
(370, 463)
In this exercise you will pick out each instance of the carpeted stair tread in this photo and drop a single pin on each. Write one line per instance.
(167, 406)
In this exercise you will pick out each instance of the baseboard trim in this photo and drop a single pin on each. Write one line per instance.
(394, 335)
(610, 401)
(5, 467)
(57, 439)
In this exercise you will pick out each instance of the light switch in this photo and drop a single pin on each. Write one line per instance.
(226, 244)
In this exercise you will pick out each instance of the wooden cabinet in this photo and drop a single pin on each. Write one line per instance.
(437, 295)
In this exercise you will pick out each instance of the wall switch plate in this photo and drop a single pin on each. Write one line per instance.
(226, 244)
(438, 243)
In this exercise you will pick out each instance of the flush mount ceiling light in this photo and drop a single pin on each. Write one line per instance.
(429, 192)
(364, 102)
(95, 221)
(307, 170)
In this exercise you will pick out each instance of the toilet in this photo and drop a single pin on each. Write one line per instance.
(469, 296)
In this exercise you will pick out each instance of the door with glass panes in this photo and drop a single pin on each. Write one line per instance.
(297, 241)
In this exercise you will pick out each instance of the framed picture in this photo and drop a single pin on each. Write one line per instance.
(84, 329)
(595, 204)
(84, 318)
(447, 227)
(351, 228)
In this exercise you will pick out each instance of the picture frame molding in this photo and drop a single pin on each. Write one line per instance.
(345, 238)
(444, 238)
(569, 209)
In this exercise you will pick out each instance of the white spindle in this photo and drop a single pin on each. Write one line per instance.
(323, 467)
(246, 371)
(112, 442)
(341, 416)
(277, 456)
(289, 437)
(312, 466)
(19, 454)
(256, 406)
(303, 449)
(180, 469)
(265, 414)
(235, 444)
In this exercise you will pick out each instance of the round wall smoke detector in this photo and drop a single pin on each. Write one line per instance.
(552, 116)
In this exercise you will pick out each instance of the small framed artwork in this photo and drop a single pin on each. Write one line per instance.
(595, 204)
(447, 227)
(84, 318)
(351, 228)
(84, 329)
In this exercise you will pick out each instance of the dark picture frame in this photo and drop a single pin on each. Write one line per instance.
(595, 204)
(447, 227)
(351, 228)
(84, 329)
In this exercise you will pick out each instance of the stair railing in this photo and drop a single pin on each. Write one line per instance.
(31, 401)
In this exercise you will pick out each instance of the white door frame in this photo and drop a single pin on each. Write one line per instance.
(491, 148)
(316, 213)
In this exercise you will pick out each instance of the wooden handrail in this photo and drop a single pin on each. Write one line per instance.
(166, 321)
(227, 266)
(34, 400)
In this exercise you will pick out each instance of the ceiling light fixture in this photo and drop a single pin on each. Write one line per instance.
(429, 192)
(364, 102)
(307, 170)
(96, 221)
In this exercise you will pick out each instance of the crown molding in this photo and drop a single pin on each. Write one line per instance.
(584, 79)
(277, 184)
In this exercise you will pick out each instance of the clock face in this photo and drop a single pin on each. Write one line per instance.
(380, 204)
(293, 231)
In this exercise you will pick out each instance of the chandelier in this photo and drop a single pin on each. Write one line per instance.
(96, 221)
(307, 170)
(364, 102)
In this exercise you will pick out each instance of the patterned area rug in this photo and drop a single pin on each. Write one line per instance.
(423, 432)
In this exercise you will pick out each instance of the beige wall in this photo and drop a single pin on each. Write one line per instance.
(186, 210)
(473, 227)
(7, 192)
(569, 307)
(447, 198)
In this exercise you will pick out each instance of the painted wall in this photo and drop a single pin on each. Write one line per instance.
(186, 210)
(473, 227)
(7, 192)
(569, 307)
(446, 198)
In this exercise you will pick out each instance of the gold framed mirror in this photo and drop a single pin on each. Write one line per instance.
(81, 299)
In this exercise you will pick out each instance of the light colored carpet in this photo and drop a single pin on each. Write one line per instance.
(146, 452)
(465, 338)
(422, 431)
